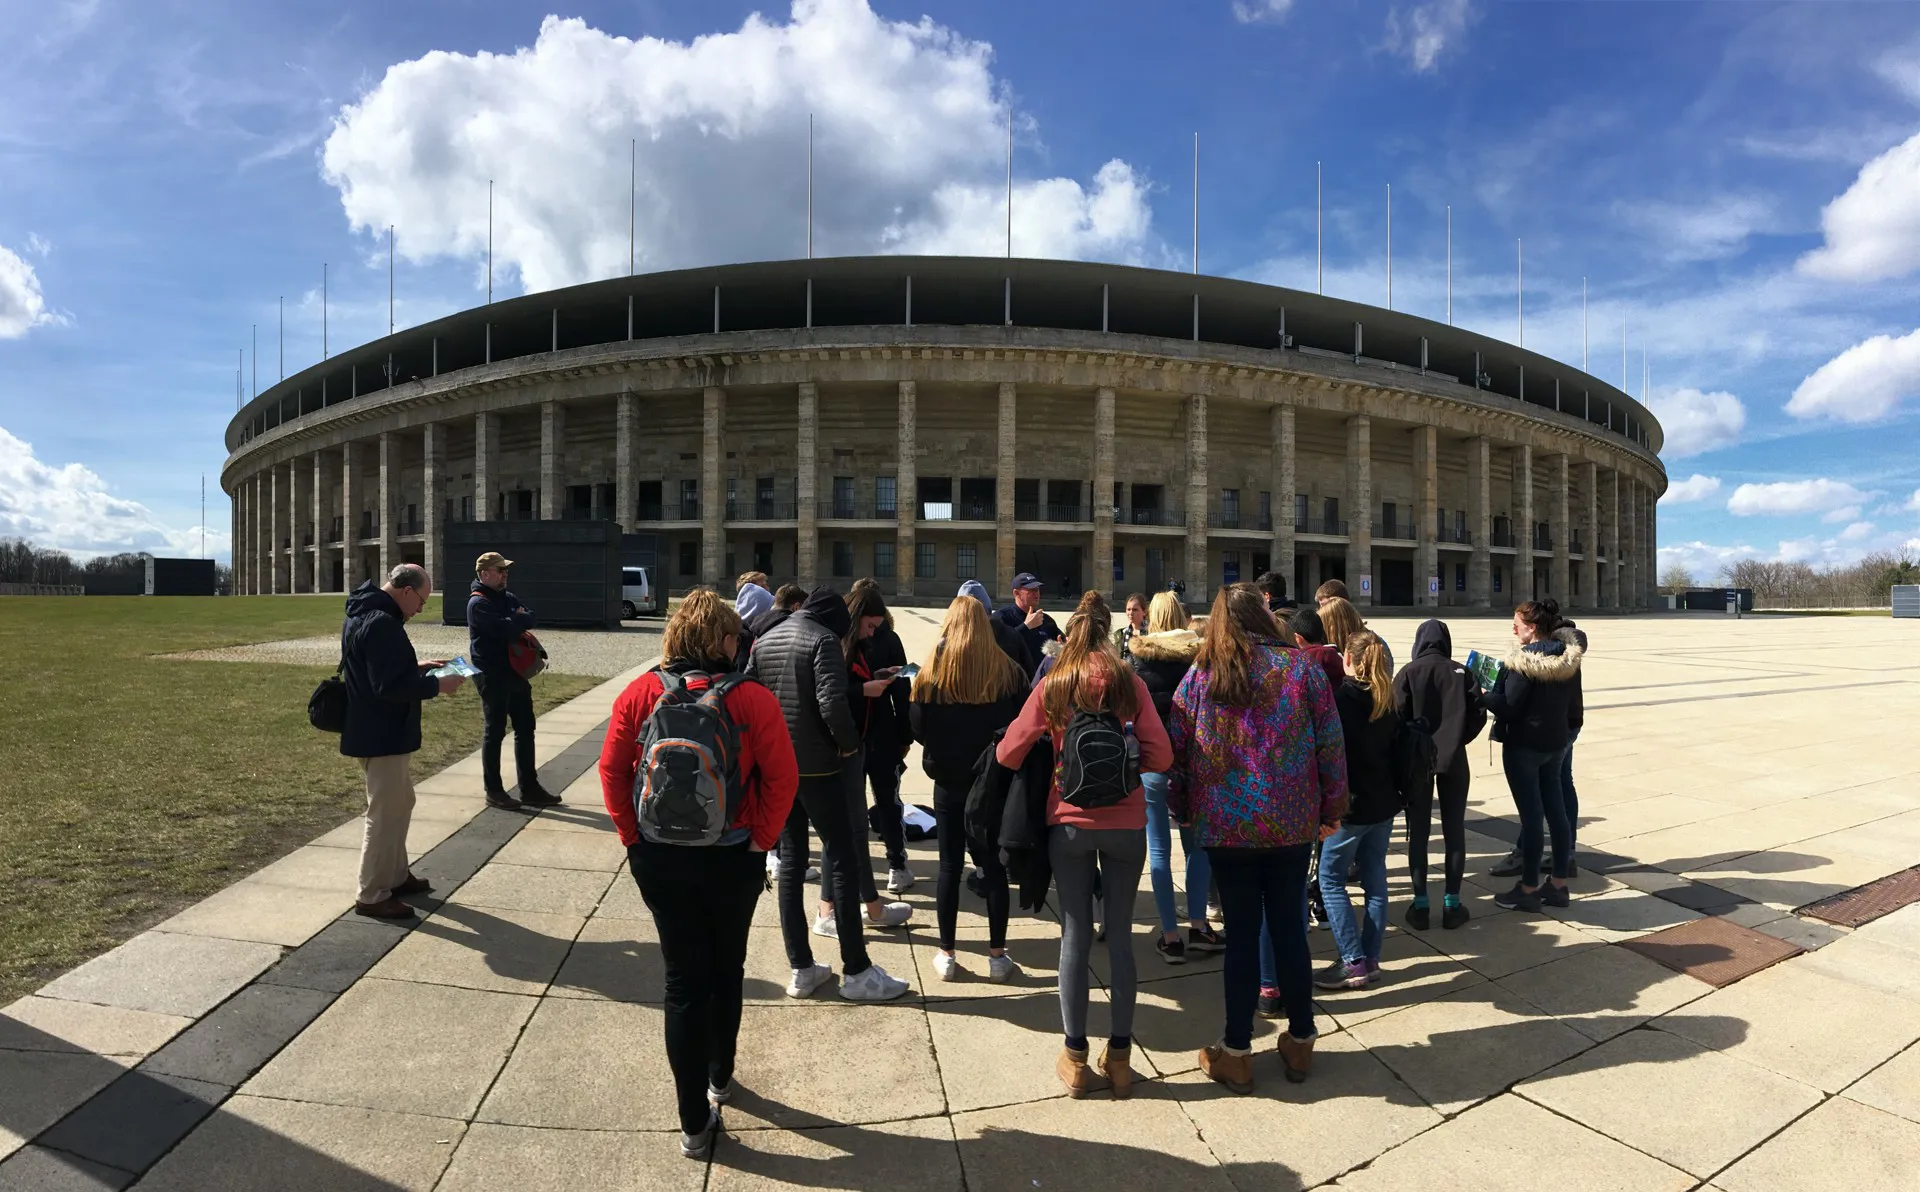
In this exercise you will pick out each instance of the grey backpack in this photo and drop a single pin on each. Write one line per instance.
(689, 788)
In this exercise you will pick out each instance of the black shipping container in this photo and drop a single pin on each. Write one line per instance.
(1714, 600)
(182, 577)
(566, 572)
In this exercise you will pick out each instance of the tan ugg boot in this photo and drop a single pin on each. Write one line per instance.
(1074, 1073)
(1116, 1064)
(1297, 1055)
(1234, 1071)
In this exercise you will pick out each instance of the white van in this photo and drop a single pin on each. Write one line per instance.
(636, 593)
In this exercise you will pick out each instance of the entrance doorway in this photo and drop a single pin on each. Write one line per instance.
(1057, 566)
(1396, 582)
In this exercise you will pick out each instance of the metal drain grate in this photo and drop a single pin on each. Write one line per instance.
(1713, 950)
(1864, 904)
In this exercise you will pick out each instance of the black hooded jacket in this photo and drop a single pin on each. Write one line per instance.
(385, 685)
(1434, 688)
(494, 621)
(1537, 698)
(884, 724)
(1373, 788)
(801, 662)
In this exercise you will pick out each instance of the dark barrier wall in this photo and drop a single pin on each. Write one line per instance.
(566, 572)
(183, 577)
(1714, 600)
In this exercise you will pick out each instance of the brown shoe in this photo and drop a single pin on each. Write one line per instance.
(1234, 1071)
(386, 908)
(413, 885)
(1297, 1055)
(1116, 1064)
(1074, 1073)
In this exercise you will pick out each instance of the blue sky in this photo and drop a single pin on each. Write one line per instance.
(1740, 182)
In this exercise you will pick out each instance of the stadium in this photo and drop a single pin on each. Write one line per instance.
(931, 420)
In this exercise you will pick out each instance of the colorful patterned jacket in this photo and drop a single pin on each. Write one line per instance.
(1265, 776)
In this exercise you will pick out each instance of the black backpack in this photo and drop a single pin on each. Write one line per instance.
(688, 788)
(1099, 761)
(1414, 758)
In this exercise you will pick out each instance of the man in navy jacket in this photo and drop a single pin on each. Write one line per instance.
(495, 620)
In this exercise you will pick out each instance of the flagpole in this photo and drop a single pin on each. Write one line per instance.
(1449, 264)
(256, 360)
(809, 186)
(1520, 292)
(389, 282)
(1009, 184)
(633, 195)
(323, 300)
(1196, 204)
(1583, 324)
(283, 337)
(489, 242)
(1319, 266)
(1389, 246)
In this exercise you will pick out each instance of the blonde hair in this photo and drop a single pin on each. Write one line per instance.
(967, 666)
(753, 577)
(1166, 612)
(1367, 661)
(1342, 621)
(698, 629)
(1084, 654)
(1226, 647)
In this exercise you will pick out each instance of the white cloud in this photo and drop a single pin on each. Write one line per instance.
(1704, 559)
(22, 306)
(910, 136)
(1846, 513)
(1695, 422)
(1694, 488)
(1249, 11)
(1789, 497)
(1865, 382)
(1913, 502)
(38, 245)
(1856, 531)
(1901, 69)
(1873, 228)
(1426, 31)
(1712, 230)
(69, 507)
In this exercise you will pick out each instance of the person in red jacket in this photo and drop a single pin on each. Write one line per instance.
(702, 899)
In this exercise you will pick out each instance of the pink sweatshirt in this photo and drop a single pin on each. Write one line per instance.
(1156, 757)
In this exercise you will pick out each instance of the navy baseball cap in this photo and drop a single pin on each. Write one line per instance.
(1026, 579)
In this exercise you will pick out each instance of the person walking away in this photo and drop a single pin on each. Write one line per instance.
(1101, 717)
(1136, 623)
(875, 657)
(801, 661)
(1026, 615)
(1537, 710)
(386, 684)
(698, 775)
(1273, 586)
(1310, 638)
(1342, 621)
(967, 691)
(1260, 772)
(1161, 657)
(1371, 729)
(1436, 690)
(752, 597)
(786, 599)
(495, 620)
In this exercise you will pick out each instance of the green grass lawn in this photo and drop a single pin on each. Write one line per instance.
(131, 786)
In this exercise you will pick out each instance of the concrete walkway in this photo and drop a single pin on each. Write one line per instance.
(1729, 771)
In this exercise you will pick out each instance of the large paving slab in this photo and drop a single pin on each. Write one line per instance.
(257, 1142)
(527, 1159)
(164, 973)
(1842, 1144)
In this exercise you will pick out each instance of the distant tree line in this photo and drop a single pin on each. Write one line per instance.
(1866, 584)
(21, 562)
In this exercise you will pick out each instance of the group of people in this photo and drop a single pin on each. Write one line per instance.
(1274, 738)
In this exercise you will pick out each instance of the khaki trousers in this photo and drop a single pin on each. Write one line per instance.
(383, 851)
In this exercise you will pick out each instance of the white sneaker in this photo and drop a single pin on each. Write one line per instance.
(826, 925)
(1001, 969)
(899, 881)
(806, 980)
(700, 1146)
(892, 914)
(773, 865)
(873, 985)
(947, 967)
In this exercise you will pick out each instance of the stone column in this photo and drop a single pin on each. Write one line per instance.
(553, 429)
(806, 560)
(1480, 501)
(1650, 552)
(1281, 434)
(1426, 502)
(319, 521)
(297, 572)
(1360, 509)
(1559, 512)
(1006, 463)
(350, 499)
(1103, 491)
(626, 490)
(389, 493)
(1522, 586)
(1199, 577)
(486, 456)
(713, 497)
(1630, 547)
(433, 450)
(1590, 541)
(237, 539)
(262, 531)
(1611, 510)
(906, 497)
(275, 502)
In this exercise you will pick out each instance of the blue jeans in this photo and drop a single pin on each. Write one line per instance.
(1534, 779)
(1160, 860)
(1365, 845)
(1571, 796)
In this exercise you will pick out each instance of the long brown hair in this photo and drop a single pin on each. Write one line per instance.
(698, 629)
(1342, 621)
(864, 601)
(1088, 675)
(1239, 616)
(967, 666)
(1367, 661)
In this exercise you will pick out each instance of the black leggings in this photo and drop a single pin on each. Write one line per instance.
(949, 810)
(822, 799)
(884, 775)
(1453, 786)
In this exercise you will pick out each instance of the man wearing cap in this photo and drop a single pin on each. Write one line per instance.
(1026, 615)
(495, 620)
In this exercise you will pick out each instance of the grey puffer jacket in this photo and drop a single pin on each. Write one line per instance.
(801, 662)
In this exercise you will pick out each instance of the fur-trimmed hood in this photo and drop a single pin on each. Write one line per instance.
(1172, 645)
(1555, 660)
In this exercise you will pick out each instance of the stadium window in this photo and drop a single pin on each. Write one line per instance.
(763, 556)
(1230, 567)
(1459, 577)
(1119, 564)
(883, 560)
(843, 560)
(689, 558)
(925, 560)
(966, 561)
(885, 497)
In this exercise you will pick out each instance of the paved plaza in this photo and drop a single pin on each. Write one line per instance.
(1730, 772)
